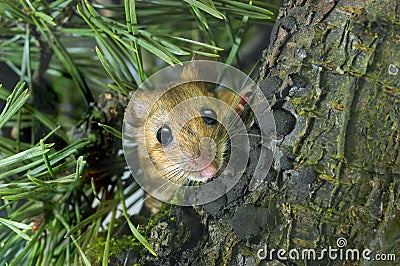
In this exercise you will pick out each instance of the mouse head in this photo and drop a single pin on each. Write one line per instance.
(181, 131)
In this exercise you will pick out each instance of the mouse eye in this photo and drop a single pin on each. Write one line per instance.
(164, 135)
(209, 116)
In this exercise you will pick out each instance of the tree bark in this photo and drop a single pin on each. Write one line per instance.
(332, 75)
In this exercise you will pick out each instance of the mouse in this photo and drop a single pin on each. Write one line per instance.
(182, 131)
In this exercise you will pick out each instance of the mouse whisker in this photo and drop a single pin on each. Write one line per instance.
(165, 188)
(230, 124)
(247, 134)
(182, 179)
(179, 175)
(171, 170)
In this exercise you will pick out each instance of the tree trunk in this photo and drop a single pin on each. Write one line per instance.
(332, 74)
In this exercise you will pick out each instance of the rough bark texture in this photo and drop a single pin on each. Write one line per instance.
(332, 73)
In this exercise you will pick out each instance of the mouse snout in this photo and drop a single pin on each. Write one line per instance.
(209, 171)
(206, 162)
(208, 150)
(207, 146)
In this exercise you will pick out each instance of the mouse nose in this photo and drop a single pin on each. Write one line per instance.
(209, 171)
(207, 154)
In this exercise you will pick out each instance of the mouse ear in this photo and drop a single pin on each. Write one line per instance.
(191, 72)
(137, 110)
